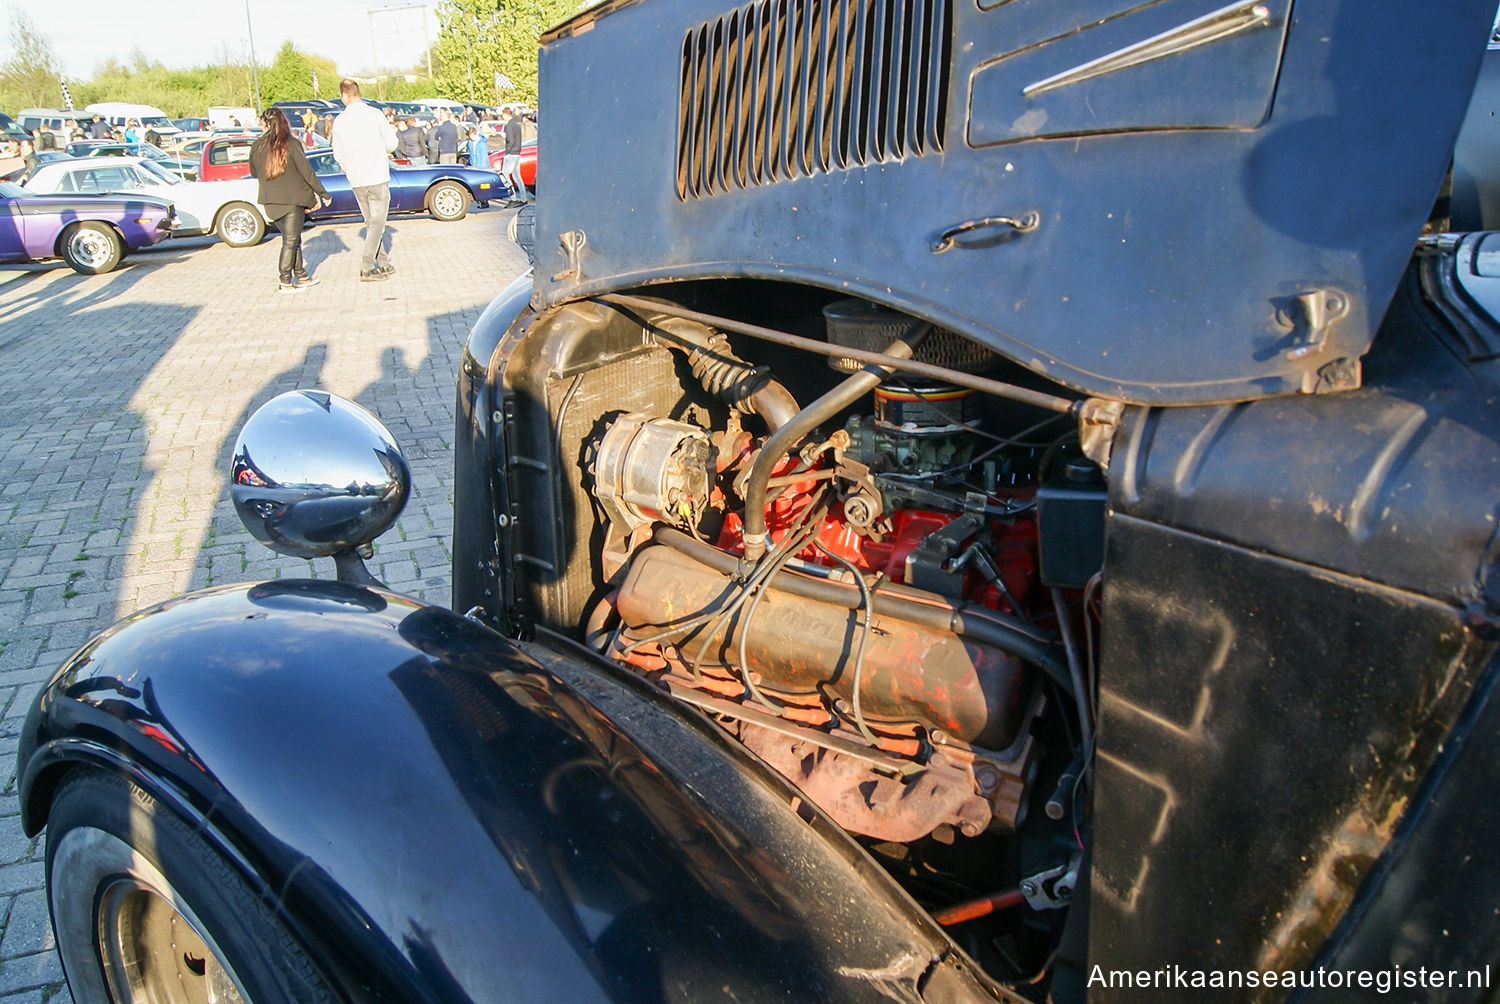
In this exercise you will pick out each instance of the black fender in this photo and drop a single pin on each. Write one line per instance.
(441, 814)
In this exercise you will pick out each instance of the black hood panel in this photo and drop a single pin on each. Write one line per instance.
(1215, 201)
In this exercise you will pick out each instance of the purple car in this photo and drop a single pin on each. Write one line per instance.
(90, 232)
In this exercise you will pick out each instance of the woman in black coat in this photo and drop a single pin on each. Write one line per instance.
(288, 189)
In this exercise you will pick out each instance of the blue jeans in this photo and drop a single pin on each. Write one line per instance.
(510, 170)
(374, 205)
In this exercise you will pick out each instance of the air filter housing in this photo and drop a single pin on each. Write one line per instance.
(859, 324)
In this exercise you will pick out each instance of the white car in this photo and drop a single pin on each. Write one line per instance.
(226, 208)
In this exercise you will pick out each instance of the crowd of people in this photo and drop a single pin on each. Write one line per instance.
(467, 139)
(364, 139)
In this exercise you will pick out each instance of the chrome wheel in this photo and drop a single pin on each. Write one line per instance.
(240, 226)
(152, 952)
(448, 201)
(91, 248)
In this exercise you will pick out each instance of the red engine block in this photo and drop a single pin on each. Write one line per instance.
(1014, 552)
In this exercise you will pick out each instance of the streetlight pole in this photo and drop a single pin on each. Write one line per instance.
(254, 70)
(469, 57)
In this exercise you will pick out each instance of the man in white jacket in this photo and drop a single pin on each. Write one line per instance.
(362, 143)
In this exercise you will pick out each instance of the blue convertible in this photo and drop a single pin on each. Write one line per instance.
(444, 190)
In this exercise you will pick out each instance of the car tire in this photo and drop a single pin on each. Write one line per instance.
(91, 248)
(144, 908)
(240, 225)
(448, 201)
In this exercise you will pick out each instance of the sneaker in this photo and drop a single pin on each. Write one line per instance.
(303, 281)
(375, 274)
(288, 287)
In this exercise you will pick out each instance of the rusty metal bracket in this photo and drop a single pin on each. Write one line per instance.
(1098, 421)
(1315, 312)
(573, 242)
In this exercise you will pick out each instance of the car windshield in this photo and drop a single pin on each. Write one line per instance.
(322, 162)
(159, 173)
(152, 150)
(10, 190)
(157, 120)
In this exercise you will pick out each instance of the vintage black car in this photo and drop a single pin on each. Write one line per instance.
(977, 502)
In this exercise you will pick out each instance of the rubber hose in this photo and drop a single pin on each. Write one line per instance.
(725, 375)
(782, 441)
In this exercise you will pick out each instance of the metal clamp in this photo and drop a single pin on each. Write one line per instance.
(1026, 223)
(1053, 888)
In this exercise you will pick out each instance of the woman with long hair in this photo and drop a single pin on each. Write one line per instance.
(288, 189)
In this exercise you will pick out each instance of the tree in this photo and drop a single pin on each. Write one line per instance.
(32, 76)
(479, 38)
(290, 76)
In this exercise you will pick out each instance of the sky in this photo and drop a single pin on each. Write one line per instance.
(184, 33)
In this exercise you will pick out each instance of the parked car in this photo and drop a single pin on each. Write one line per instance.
(225, 157)
(192, 124)
(188, 145)
(1013, 518)
(226, 208)
(442, 190)
(528, 159)
(91, 233)
(294, 109)
(120, 114)
(11, 129)
(179, 166)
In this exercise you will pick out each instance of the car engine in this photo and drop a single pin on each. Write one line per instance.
(902, 635)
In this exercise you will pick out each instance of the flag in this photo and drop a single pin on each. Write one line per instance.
(502, 82)
(67, 98)
(315, 83)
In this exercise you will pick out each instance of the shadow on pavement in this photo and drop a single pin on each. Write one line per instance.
(320, 247)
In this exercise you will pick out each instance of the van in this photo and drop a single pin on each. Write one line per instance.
(57, 121)
(117, 113)
(231, 117)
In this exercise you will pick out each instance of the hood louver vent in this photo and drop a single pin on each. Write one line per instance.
(786, 88)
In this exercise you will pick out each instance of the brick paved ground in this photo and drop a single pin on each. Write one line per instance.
(120, 396)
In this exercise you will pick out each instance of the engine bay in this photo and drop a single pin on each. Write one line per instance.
(882, 583)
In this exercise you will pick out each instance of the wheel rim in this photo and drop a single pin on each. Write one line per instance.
(153, 954)
(239, 226)
(90, 247)
(447, 201)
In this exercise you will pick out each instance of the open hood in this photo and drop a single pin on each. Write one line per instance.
(1165, 202)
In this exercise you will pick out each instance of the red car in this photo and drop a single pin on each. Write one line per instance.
(228, 157)
(528, 162)
(225, 158)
